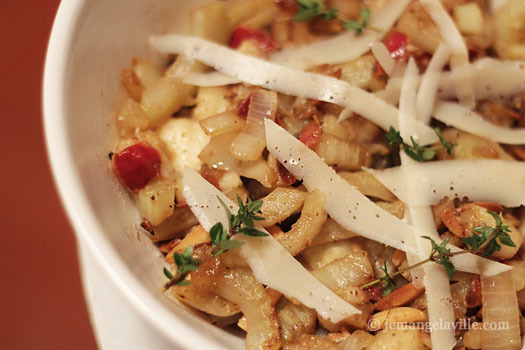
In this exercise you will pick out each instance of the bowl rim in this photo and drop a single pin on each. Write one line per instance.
(72, 195)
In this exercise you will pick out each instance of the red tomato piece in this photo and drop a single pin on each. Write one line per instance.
(264, 40)
(311, 134)
(396, 43)
(137, 165)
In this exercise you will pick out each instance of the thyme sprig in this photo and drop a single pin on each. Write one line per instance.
(240, 223)
(416, 151)
(485, 240)
(310, 9)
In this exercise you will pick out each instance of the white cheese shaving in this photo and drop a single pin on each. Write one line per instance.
(392, 91)
(440, 310)
(465, 119)
(426, 94)
(209, 79)
(287, 80)
(384, 57)
(462, 73)
(271, 264)
(448, 30)
(344, 203)
(407, 118)
(438, 299)
(477, 179)
(492, 78)
(345, 47)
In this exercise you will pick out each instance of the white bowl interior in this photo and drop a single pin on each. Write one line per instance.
(92, 41)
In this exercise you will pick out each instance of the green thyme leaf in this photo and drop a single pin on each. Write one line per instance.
(416, 151)
(486, 237)
(168, 274)
(388, 282)
(332, 14)
(309, 9)
(448, 145)
(247, 231)
(353, 25)
(393, 137)
(185, 263)
(448, 265)
(492, 247)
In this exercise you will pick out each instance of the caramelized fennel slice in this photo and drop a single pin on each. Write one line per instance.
(271, 264)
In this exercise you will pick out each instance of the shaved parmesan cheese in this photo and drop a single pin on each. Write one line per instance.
(433, 277)
(327, 51)
(392, 91)
(467, 120)
(286, 80)
(449, 31)
(209, 79)
(344, 203)
(462, 73)
(384, 57)
(477, 179)
(407, 118)
(345, 114)
(492, 78)
(271, 264)
(345, 47)
(407, 103)
(426, 94)
(440, 310)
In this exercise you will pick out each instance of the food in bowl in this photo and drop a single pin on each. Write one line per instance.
(339, 174)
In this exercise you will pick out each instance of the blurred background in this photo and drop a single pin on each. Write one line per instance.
(42, 305)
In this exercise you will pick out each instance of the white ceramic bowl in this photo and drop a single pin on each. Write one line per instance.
(91, 41)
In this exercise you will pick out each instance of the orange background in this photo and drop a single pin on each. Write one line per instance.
(41, 301)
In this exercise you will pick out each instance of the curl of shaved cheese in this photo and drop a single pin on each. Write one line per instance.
(449, 31)
(463, 118)
(462, 73)
(435, 278)
(407, 103)
(209, 79)
(345, 114)
(287, 80)
(440, 310)
(407, 118)
(345, 47)
(271, 264)
(392, 91)
(384, 57)
(477, 179)
(429, 84)
(492, 78)
(344, 203)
